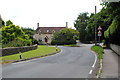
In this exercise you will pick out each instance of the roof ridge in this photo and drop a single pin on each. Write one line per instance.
(50, 27)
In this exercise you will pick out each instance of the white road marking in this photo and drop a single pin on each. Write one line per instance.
(95, 59)
(61, 51)
(90, 72)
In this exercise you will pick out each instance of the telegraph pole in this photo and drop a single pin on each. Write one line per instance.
(95, 28)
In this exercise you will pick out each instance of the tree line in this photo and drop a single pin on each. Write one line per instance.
(14, 36)
(108, 18)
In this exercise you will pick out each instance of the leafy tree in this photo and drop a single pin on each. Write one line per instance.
(108, 18)
(13, 33)
(65, 36)
(1, 22)
(113, 31)
(100, 19)
(9, 22)
(81, 24)
(30, 32)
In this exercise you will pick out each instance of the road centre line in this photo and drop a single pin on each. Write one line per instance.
(95, 59)
(90, 72)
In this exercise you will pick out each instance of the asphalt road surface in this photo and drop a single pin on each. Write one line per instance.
(71, 62)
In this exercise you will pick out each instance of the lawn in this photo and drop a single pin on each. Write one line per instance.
(99, 50)
(40, 51)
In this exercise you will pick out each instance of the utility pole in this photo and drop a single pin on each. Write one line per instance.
(95, 28)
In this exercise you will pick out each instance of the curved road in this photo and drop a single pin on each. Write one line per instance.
(71, 62)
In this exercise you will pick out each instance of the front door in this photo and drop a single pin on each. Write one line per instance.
(46, 39)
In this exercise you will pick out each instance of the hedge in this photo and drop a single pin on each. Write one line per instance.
(112, 34)
(112, 28)
(54, 42)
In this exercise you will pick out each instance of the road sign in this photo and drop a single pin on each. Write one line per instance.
(99, 33)
(99, 28)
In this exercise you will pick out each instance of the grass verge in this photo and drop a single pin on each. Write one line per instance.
(40, 51)
(99, 50)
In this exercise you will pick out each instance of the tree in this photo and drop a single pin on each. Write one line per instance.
(30, 32)
(81, 24)
(9, 22)
(12, 34)
(113, 32)
(65, 36)
(1, 22)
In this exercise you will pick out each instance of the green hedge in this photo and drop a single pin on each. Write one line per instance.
(112, 28)
(112, 34)
(54, 42)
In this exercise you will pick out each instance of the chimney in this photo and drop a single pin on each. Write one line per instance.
(37, 24)
(66, 24)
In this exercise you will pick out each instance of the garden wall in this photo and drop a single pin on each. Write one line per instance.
(115, 48)
(15, 50)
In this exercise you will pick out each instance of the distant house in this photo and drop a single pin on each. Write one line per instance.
(45, 34)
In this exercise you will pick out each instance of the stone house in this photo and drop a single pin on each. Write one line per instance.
(45, 34)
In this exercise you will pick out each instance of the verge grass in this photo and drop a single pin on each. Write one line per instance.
(40, 51)
(99, 50)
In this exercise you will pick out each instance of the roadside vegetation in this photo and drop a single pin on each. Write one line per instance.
(42, 50)
(65, 37)
(15, 36)
(99, 50)
(109, 20)
(72, 45)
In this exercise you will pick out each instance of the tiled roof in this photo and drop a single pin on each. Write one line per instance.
(48, 30)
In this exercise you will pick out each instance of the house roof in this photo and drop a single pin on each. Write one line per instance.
(48, 30)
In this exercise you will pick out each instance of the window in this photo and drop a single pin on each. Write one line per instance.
(53, 31)
(47, 30)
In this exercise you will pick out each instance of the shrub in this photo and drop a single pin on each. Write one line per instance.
(65, 36)
(54, 42)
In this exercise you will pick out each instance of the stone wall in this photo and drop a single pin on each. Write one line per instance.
(115, 48)
(15, 50)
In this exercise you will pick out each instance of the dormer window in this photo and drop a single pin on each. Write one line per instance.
(47, 30)
(53, 31)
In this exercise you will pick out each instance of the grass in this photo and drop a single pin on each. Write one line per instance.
(99, 50)
(72, 45)
(40, 51)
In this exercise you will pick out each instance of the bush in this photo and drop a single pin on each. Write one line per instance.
(54, 42)
(34, 41)
(113, 32)
(65, 36)
(19, 42)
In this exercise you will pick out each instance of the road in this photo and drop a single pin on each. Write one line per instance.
(71, 62)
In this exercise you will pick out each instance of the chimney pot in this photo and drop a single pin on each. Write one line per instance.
(66, 24)
(37, 24)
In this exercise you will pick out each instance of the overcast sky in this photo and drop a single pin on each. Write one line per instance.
(49, 13)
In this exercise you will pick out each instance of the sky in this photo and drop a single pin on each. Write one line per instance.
(49, 13)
